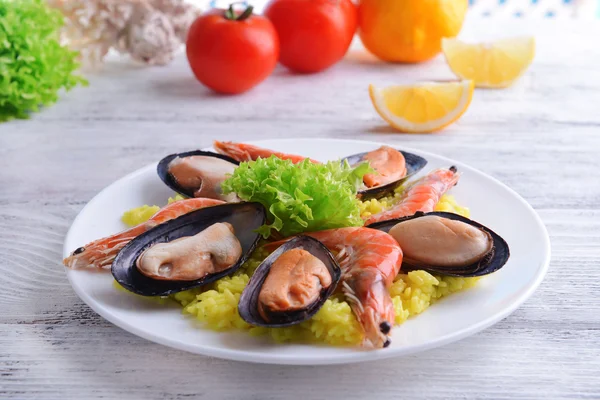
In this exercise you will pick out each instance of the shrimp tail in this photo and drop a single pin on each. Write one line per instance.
(237, 151)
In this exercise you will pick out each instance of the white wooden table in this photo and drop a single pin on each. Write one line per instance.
(540, 137)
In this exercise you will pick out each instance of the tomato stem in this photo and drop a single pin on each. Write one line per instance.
(230, 13)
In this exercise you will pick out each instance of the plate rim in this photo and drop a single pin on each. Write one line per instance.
(350, 357)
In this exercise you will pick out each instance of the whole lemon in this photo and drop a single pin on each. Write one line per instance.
(409, 30)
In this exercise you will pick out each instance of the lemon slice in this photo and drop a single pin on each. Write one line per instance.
(493, 65)
(422, 107)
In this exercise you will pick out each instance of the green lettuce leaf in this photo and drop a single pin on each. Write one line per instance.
(34, 66)
(301, 197)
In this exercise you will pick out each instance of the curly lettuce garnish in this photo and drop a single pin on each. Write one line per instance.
(34, 66)
(301, 197)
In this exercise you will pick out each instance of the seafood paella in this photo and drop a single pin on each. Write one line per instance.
(339, 252)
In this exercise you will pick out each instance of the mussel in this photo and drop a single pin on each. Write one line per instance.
(290, 285)
(190, 251)
(393, 168)
(446, 243)
(197, 174)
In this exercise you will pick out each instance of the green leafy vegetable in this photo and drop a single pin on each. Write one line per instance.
(33, 64)
(300, 197)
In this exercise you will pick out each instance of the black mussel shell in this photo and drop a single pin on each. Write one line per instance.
(248, 304)
(414, 164)
(246, 218)
(495, 259)
(163, 169)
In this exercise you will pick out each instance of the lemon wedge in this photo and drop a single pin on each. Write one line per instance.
(422, 107)
(493, 65)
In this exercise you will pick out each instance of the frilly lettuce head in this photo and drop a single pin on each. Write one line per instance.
(303, 197)
(34, 66)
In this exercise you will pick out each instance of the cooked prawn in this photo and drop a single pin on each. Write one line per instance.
(370, 260)
(389, 165)
(247, 152)
(100, 253)
(422, 195)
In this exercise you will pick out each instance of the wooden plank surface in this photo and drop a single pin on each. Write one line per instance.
(540, 137)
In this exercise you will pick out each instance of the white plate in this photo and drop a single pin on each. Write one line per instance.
(456, 317)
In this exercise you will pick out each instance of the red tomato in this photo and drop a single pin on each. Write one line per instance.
(313, 34)
(231, 53)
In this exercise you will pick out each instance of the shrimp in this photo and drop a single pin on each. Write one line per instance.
(100, 253)
(370, 260)
(422, 195)
(389, 165)
(247, 152)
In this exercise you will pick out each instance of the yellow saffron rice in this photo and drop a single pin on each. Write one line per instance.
(137, 215)
(216, 305)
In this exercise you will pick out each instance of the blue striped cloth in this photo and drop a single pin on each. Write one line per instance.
(549, 14)
(471, 2)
